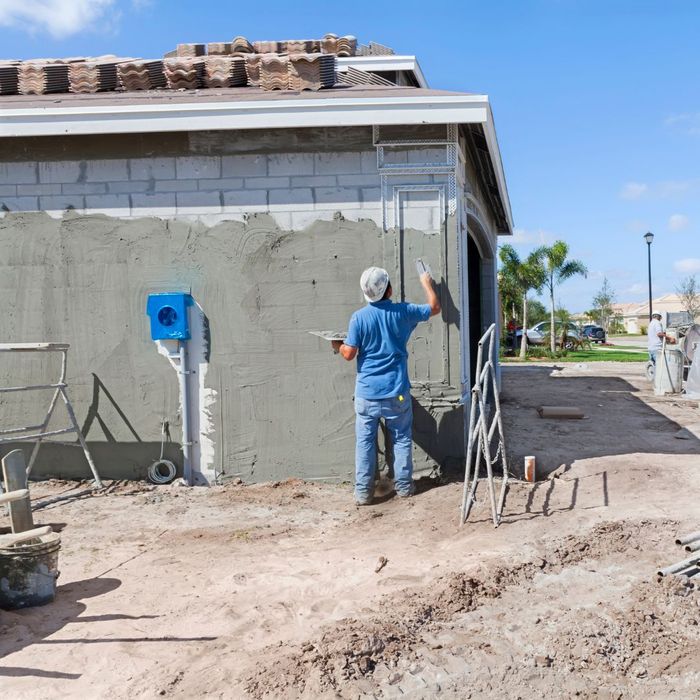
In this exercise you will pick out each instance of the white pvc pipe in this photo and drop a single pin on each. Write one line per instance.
(186, 427)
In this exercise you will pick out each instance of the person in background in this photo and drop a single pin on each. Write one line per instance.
(377, 336)
(656, 335)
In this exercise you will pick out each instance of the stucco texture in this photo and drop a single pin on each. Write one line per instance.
(281, 402)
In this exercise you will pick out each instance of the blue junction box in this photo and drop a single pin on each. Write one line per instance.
(168, 314)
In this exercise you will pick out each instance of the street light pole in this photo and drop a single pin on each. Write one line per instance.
(649, 237)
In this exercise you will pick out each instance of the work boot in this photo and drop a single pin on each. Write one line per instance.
(363, 499)
(406, 493)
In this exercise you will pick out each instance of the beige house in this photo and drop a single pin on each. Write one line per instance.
(635, 316)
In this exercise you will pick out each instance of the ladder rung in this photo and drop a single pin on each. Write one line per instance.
(21, 430)
(4, 389)
(11, 496)
(36, 436)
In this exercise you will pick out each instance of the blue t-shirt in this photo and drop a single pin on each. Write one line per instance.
(380, 332)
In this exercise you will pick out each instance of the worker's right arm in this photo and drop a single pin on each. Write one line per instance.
(431, 296)
(349, 348)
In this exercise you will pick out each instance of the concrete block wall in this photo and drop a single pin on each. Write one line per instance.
(294, 188)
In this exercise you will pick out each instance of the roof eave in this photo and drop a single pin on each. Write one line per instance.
(261, 114)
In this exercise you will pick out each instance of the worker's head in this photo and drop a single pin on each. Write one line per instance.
(375, 284)
(656, 315)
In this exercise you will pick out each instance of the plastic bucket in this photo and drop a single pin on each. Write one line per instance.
(28, 572)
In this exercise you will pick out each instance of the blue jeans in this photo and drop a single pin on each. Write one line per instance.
(652, 355)
(398, 416)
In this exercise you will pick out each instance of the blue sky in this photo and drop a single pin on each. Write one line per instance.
(597, 103)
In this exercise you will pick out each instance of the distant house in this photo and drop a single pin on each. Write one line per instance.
(635, 316)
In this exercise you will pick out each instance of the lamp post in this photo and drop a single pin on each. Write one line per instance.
(649, 237)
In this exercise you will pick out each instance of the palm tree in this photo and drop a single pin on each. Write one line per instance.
(557, 270)
(521, 276)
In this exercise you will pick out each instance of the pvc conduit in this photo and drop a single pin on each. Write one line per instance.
(679, 566)
(186, 427)
(687, 539)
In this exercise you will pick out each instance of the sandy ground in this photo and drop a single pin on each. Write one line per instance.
(276, 590)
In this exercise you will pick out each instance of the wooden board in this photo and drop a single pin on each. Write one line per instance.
(15, 476)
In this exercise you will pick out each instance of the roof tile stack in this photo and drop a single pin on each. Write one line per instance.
(274, 72)
(41, 77)
(184, 73)
(220, 48)
(94, 76)
(311, 71)
(190, 50)
(225, 71)
(252, 69)
(141, 75)
(241, 45)
(9, 79)
(298, 64)
(341, 46)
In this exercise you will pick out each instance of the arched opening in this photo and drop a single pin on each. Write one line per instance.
(481, 282)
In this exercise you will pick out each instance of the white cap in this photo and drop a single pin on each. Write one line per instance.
(656, 313)
(374, 282)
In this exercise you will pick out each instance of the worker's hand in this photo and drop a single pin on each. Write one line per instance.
(335, 344)
(426, 278)
(670, 340)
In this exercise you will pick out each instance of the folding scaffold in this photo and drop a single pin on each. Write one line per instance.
(482, 431)
(36, 433)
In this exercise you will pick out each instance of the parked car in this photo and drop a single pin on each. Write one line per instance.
(596, 334)
(539, 334)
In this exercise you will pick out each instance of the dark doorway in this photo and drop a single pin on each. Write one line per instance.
(475, 325)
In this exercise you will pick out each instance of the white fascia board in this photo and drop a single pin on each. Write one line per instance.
(495, 151)
(254, 114)
(407, 64)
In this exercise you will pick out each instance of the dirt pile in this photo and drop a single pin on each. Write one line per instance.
(354, 648)
(658, 627)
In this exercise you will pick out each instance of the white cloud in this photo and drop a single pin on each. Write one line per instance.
(525, 237)
(634, 190)
(665, 189)
(677, 222)
(636, 288)
(688, 122)
(688, 266)
(59, 18)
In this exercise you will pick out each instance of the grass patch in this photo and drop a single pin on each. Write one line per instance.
(592, 355)
(604, 356)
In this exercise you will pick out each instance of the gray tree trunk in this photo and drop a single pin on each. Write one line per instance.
(552, 331)
(523, 340)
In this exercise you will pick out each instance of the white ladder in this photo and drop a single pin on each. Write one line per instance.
(36, 433)
(481, 432)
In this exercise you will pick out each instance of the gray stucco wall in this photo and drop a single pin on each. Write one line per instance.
(271, 236)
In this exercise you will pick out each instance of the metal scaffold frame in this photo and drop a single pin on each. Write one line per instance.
(481, 432)
(36, 433)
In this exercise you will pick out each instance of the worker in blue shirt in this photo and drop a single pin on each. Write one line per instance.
(377, 336)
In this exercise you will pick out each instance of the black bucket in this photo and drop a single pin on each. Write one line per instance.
(28, 572)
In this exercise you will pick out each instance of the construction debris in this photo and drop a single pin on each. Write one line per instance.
(568, 412)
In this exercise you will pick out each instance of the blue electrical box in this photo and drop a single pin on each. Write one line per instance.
(168, 314)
